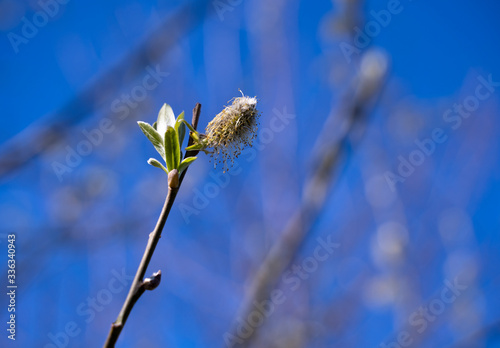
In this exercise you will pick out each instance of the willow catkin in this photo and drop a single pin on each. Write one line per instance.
(232, 129)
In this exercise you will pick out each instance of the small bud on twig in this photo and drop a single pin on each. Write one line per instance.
(153, 282)
(173, 178)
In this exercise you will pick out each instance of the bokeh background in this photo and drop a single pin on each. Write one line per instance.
(81, 230)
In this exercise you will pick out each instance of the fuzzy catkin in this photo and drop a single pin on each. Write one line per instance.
(232, 129)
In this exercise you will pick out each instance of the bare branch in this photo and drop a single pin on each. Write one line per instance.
(366, 89)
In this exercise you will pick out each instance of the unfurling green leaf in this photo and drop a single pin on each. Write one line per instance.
(153, 136)
(185, 163)
(195, 147)
(166, 118)
(172, 149)
(155, 163)
(180, 128)
(189, 126)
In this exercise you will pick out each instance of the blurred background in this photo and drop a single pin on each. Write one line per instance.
(376, 155)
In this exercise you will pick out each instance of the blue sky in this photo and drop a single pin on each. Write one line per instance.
(74, 234)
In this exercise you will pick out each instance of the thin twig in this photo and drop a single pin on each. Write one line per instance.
(139, 285)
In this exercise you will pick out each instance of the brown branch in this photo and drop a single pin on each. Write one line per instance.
(139, 285)
(365, 91)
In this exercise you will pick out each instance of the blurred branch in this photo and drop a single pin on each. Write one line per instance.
(365, 90)
(139, 285)
(43, 134)
(348, 15)
(491, 331)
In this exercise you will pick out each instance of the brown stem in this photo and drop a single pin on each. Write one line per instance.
(139, 285)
